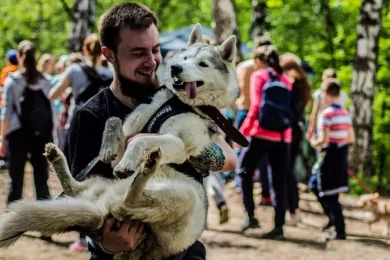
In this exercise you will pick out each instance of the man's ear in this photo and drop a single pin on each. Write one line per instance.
(108, 54)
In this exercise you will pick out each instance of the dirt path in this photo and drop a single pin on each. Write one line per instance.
(225, 242)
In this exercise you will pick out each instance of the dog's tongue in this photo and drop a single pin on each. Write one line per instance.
(190, 89)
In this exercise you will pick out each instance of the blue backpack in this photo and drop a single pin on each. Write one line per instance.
(275, 108)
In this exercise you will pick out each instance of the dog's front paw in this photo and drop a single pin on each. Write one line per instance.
(108, 152)
(112, 139)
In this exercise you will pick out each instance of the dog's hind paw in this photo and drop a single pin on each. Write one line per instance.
(52, 152)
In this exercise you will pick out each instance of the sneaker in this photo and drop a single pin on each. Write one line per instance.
(250, 222)
(79, 245)
(266, 201)
(293, 219)
(223, 214)
(334, 235)
(327, 226)
(276, 233)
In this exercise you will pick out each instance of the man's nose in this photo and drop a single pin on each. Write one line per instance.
(151, 61)
(176, 69)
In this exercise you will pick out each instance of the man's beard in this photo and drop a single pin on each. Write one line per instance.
(135, 89)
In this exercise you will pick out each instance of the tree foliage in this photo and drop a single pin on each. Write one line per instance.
(297, 26)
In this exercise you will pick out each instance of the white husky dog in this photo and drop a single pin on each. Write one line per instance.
(172, 204)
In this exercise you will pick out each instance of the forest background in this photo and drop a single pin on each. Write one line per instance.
(324, 33)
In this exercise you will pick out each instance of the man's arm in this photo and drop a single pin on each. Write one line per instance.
(312, 119)
(60, 87)
(217, 156)
(84, 141)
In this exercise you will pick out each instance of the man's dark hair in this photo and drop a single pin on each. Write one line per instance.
(133, 15)
(262, 41)
(332, 87)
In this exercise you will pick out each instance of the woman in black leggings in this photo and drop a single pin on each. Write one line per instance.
(27, 124)
(264, 141)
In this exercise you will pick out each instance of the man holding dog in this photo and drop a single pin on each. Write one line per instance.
(130, 42)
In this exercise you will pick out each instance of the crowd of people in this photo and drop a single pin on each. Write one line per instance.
(68, 102)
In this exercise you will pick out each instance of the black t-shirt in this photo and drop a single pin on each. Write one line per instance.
(86, 132)
(298, 102)
(84, 141)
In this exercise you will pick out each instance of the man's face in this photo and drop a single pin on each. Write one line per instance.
(138, 54)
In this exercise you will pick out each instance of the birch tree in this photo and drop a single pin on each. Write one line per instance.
(83, 20)
(259, 24)
(225, 22)
(363, 81)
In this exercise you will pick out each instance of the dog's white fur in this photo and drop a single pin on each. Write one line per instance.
(380, 209)
(172, 204)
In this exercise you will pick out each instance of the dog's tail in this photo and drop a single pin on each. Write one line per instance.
(49, 217)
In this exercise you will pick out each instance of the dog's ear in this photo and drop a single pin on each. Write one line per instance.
(228, 49)
(196, 35)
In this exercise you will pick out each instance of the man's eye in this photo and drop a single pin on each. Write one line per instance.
(156, 51)
(202, 64)
(137, 54)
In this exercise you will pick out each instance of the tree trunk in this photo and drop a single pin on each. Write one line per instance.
(225, 22)
(329, 28)
(259, 24)
(83, 20)
(363, 80)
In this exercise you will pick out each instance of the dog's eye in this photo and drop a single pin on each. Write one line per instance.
(185, 58)
(202, 64)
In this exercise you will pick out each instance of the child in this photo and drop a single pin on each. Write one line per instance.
(315, 128)
(335, 136)
(315, 120)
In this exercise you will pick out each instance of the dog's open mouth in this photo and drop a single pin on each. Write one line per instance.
(189, 87)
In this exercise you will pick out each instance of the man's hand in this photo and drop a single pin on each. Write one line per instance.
(127, 238)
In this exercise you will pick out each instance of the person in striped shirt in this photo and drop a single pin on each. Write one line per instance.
(336, 134)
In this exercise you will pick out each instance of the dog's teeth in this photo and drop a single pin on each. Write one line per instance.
(177, 81)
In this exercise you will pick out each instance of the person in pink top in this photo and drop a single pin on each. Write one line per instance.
(265, 141)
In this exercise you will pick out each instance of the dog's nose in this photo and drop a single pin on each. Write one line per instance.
(176, 69)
